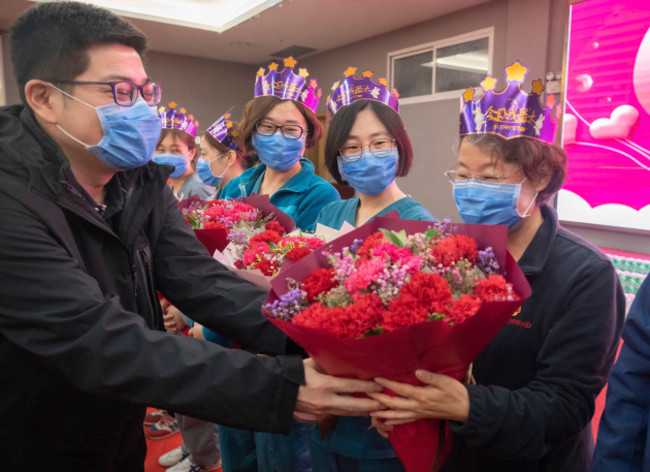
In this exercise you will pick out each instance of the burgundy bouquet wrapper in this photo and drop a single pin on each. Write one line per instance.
(434, 345)
(216, 239)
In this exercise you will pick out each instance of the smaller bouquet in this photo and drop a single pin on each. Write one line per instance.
(257, 257)
(218, 222)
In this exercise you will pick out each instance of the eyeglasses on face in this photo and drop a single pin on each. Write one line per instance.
(268, 128)
(125, 93)
(380, 147)
(461, 176)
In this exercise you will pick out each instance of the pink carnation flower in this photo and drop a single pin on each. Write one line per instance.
(364, 275)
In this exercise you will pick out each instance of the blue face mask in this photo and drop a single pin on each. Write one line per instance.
(370, 174)
(489, 203)
(205, 173)
(278, 152)
(130, 134)
(179, 161)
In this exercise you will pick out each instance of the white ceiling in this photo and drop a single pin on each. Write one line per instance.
(318, 24)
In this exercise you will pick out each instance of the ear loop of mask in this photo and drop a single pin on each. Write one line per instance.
(79, 100)
(526, 215)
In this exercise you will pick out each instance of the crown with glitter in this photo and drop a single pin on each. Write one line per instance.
(511, 112)
(177, 118)
(286, 84)
(222, 131)
(351, 89)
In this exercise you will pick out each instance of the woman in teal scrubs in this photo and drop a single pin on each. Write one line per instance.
(278, 131)
(367, 147)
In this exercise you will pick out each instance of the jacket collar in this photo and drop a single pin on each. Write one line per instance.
(297, 184)
(538, 251)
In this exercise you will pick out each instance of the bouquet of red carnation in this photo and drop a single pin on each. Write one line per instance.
(394, 296)
(218, 222)
(259, 257)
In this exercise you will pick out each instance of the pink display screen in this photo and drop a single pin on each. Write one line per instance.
(606, 122)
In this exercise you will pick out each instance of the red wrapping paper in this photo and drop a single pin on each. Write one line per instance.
(434, 345)
(217, 239)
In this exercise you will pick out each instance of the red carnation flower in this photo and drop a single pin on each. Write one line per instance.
(268, 236)
(317, 282)
(214, 225)
(430, 290)
(404, 311)
(254, 253)
(298, 253)
(275, 226)
(493, 289)
(465, 307)
(267, 267)
(350, 322)
(452, 249)
(365, 250)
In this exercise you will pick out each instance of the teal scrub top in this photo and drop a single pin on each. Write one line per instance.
(336, 213)
(351, 436)
(302, 197)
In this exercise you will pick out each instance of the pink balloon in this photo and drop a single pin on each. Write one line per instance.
(641, 77)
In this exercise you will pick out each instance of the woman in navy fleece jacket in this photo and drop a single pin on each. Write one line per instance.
(537, 380)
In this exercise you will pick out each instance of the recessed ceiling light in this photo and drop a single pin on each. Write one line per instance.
(210, 15)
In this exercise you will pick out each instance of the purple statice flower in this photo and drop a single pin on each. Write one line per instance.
(238, 237)
(356, 244)
(289, 305)
(487, 261)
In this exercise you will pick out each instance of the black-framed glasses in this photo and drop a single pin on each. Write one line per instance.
(460, 176)
(268, 128)
(380, 147)
(125, 93)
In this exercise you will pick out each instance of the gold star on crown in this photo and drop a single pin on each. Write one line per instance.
(349, 71)
(516, 72)
(172, 104)
(538, 87)
(367, 73)
(290, 62)
(260, 72)
(303, 73)
(383, 82)
(183, 111)
(273, 66)
(468, 94)
(489, 83)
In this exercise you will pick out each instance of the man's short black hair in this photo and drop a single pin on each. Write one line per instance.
(51, 40)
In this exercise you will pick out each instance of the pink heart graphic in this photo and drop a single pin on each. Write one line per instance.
(618, 126)
(569, 127)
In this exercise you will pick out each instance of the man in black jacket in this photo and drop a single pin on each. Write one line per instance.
(89, 231)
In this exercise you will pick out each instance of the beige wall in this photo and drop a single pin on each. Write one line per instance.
(207, 88)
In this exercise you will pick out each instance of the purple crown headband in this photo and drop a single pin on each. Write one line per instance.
(510, 113)
(286, 84)
(222, 131)
(177, 118)
(351, 89)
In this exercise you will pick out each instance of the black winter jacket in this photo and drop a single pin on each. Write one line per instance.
(538, 378)
(81, 346)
